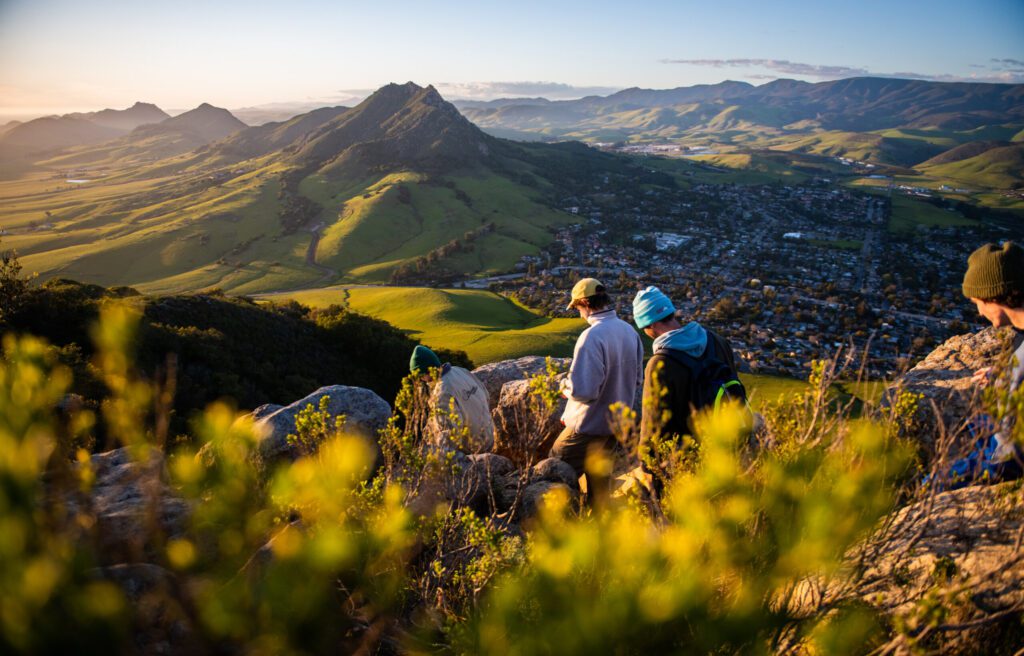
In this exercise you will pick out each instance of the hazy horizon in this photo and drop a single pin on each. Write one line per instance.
(58, 56)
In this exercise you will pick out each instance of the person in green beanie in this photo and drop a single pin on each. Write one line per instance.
(994, 282)
(423, 360)
(457, 392)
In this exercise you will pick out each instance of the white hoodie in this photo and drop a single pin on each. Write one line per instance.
(606, 369)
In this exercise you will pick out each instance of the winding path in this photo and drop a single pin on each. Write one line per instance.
(328, 273)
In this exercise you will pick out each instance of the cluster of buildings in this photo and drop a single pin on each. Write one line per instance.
(789, 273)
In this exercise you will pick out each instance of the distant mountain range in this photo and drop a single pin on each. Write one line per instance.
(400, 182)
(141, 133)
(56, 132)
(882, 120)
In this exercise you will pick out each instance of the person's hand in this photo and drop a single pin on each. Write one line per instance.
(982, 376)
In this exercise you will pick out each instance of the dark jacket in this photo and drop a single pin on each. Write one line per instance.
(675, 380)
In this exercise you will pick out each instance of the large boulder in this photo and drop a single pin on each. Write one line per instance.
(964, 546)
(496, 374)
(556, 471)
(265, 410)
(478, 483)
(365, 414)
(524, 429)
(132, 504)
(522, 489)
(949, 566)
(943, 379)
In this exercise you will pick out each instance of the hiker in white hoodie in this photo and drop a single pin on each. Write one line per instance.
(606, 369)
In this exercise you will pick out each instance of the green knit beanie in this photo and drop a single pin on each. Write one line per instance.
(423, 359)
(994, 270)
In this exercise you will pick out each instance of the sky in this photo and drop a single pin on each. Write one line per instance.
(59, 56)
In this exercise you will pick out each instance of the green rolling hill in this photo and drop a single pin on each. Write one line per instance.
(338, 194)
(998, 166)
(488, 327)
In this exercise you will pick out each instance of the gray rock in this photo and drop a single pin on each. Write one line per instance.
(491, 463)
(508, 489)
(533, 496)
(962, 543)
(496, 374)
(132, 505)
(523, 430)
(478, 485)
(556, 471)
(265, 410)
(944, 379)
(365, 414)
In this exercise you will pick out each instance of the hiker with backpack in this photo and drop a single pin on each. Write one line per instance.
(607, 368)
(693, 366)
(994, 282)
(458, 404)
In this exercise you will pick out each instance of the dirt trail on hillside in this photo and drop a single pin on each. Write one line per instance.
(314, 242)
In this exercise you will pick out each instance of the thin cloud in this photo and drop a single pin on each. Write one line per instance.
(1016, 63)
(783, 66)
(786, 67)
(492, 90)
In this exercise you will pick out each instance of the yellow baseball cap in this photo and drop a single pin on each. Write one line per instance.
(583, 289)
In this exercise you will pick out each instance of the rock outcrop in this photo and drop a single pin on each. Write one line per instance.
(524, 429)
(557, 471)
(365, 413)
(495, 375)
(943, 378)
(967, 535)
(958, 551)
(132, 503)
(476, 484)
(534, 494)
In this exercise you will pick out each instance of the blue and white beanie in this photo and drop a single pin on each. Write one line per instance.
(650, 306)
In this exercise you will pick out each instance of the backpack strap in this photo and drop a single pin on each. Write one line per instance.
(721, 391)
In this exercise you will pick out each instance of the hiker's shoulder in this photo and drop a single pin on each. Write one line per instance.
(665, 360)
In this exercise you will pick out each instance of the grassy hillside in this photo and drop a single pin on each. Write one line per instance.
(170, 232)
(908, 213)
(999, 168)
(188, 231)
(868, 147)
(485, 325)
(402, 216)
(336, 195)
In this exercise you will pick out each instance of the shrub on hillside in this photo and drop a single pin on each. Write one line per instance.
(221, 347)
